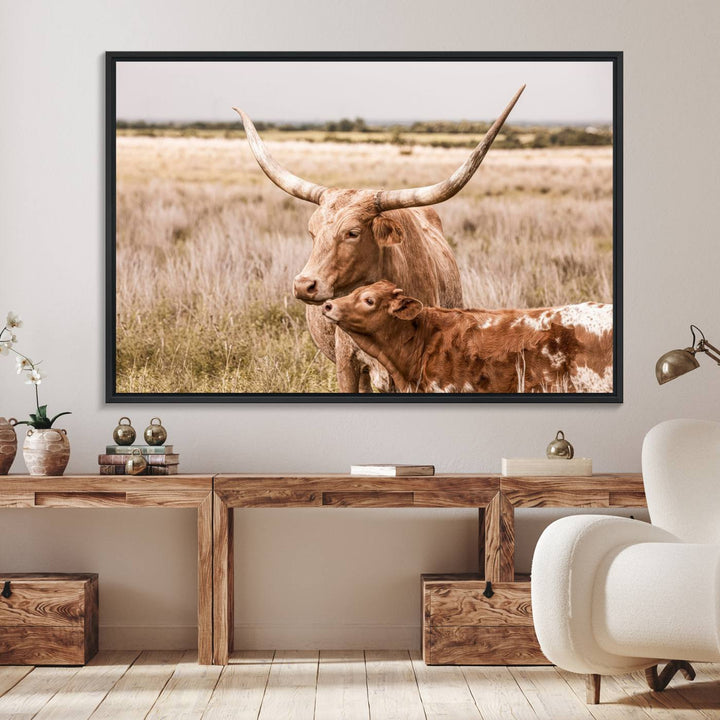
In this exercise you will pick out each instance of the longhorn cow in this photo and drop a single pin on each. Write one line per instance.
(362, 236)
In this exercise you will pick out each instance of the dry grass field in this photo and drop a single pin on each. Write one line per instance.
(207, 248)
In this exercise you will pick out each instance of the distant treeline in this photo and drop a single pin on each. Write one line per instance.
(439, 133)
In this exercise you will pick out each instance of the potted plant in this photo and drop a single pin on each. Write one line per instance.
(46, 449)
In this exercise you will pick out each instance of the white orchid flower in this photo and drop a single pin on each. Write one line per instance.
(5, 346)
(13, 320)
(22, 364)
(35, 377)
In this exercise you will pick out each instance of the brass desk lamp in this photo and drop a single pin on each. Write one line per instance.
(677, 362)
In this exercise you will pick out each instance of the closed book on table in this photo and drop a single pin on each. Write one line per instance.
(547, 467)
(48, 618)
(149, 470)
(172, 459)
(144, 449)
(392, 470)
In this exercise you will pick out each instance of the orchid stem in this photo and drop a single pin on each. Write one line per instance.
(32, 364)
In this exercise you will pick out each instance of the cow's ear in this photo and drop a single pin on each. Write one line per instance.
(387, 231)
(405, 308)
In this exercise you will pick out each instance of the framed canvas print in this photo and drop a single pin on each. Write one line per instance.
(364, 227)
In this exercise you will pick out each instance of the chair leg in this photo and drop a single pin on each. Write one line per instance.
(592, 689)
(660, 682)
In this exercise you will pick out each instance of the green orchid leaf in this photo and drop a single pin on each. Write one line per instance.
(67, 412)
(42, 411)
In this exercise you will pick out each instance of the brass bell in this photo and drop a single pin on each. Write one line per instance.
(136, 463)
(124, 433)
(560, 448)
(155, 433)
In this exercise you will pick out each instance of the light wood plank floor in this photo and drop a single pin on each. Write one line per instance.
(346, 685)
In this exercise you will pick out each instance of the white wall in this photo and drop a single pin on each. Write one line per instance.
(311, 576)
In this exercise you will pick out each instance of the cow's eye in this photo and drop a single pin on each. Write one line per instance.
(353, 233)
(369, 301)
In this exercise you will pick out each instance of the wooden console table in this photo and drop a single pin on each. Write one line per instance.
(495, 497)
(92, 491)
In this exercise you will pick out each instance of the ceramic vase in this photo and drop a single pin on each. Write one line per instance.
(47, 451)
(8, 445)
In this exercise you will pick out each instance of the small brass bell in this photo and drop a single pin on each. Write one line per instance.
(155, 433)
(560, 448)
(124, 433)
(136, 463)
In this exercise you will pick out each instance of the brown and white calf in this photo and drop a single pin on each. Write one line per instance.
(432, 349)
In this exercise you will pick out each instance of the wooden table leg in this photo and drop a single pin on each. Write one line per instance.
(205, 581)
(223, 581)
(481, 541)
(500, 540)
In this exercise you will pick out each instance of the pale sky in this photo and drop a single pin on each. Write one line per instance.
(557, 91)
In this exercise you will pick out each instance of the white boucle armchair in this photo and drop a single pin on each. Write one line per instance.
(613, 595)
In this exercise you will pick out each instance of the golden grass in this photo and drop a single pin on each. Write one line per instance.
(207, 248)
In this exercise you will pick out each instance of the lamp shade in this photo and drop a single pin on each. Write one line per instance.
(675, 363)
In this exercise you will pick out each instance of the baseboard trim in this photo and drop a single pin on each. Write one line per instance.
(327, 637)
(148, 637)
(261, 636)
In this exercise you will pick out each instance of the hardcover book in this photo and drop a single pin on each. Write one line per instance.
(150, 470)
(392, 470)
(144, 449)
(547, 467)
(172, 459)
(162, 469)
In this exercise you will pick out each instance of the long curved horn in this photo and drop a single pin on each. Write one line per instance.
(431, 194)
(283, 178)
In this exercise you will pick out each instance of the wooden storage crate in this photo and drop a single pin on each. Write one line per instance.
(48, 618)
(461, 626)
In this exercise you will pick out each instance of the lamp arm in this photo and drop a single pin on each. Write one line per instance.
(710, 350)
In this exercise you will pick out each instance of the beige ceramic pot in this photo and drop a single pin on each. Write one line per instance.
(46, 452)
(8, 444)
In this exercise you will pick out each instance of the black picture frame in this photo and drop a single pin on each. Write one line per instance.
(112, 59)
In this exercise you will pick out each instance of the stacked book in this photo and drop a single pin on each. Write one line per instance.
(160, 459)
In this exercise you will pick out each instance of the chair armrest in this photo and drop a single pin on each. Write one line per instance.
(566, 561)
(659, 600)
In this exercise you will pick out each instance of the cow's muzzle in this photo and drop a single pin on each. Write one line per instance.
(331, 312)
(309, 290)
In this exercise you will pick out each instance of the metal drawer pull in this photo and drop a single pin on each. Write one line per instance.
(6, 592)
(488, 592)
